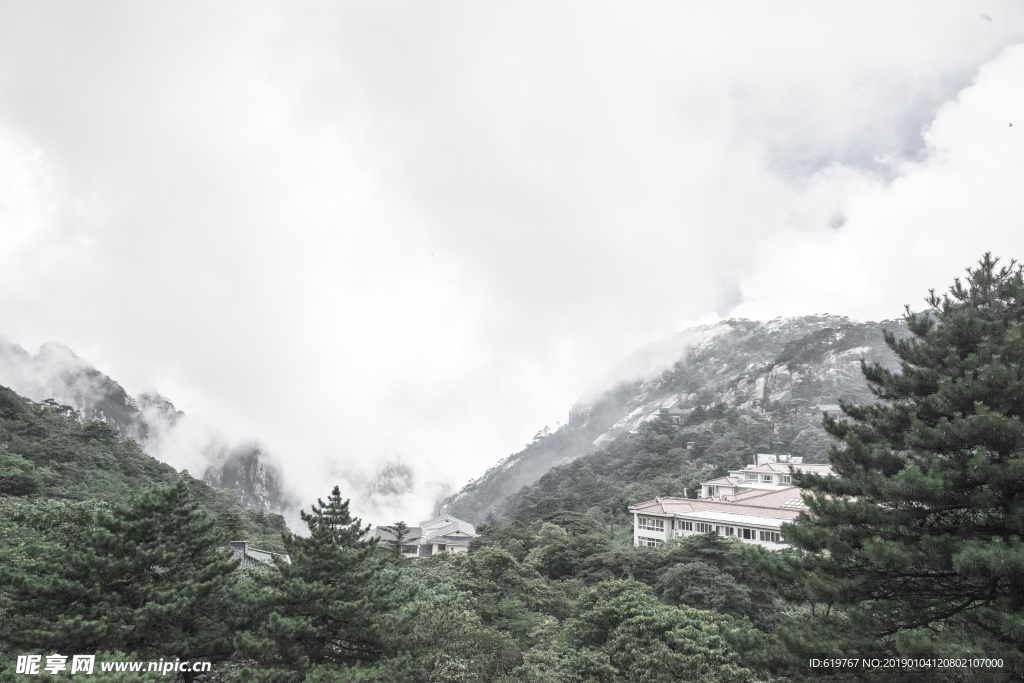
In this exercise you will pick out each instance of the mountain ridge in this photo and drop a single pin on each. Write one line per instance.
(56, 375)
(746, 365)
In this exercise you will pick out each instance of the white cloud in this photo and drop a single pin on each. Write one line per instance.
(369, 233)
(918, 232)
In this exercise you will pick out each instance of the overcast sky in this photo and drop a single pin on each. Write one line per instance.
(372, 232)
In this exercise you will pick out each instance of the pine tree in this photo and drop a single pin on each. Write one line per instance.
(149, 578)
(402, 533)
(329, 605)
(915, 548)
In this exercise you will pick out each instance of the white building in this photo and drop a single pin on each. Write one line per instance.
(750, 504)
(442, 535)
(768, 472)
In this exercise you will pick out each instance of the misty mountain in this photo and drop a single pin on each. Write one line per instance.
(56, 373)
(58, 377)
(772, 378)
(49, 455)
(253, 473)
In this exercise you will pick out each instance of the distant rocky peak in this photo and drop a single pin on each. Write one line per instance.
(253, 474)
(54, 352)
(56, 375)
(55, 372)
(158, 408)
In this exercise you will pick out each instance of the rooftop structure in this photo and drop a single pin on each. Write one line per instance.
(768, 474)
(833, 410)
(253, 557)
(751, 504)
(442, 535)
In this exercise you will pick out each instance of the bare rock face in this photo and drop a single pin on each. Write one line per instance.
(748, 365)
(251, 472)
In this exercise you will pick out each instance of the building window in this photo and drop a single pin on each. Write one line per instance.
(749, 534)
(766, 478)
(786, 479)
(771, 536)
(703, 528)
(685, 526)
(409, 548)
(648, 542)
(751, 476)
(651, 524)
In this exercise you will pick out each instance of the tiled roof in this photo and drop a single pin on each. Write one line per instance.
(441, 531)
(756, 502)
(417, 534)
(458, 524)
(725, 481)
(384, 535)
(777, 496)
(253, 557)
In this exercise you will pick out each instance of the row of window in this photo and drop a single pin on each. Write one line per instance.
(702, 528)
(767, 478)
(749, 534)
(648, 542)
(654, 524)
(651, 524)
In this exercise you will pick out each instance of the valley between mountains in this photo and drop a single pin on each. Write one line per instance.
(730, 389)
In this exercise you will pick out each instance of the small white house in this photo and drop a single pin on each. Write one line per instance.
(442, 535)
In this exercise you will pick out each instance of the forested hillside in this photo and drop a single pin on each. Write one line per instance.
(57, 375)
(94, 531)
(735, 388)
(48, 453)
(665, 458)
(912, 553)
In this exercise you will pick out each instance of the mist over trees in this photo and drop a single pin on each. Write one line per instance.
(914, 551)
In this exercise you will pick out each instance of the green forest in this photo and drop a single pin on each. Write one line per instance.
(667, 458)
(913, 552)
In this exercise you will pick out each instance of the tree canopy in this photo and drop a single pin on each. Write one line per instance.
(328, 606)
(915, 548)
(149, 577)
(402, 535)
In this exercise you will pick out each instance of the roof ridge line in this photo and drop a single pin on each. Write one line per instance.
(766, 493)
